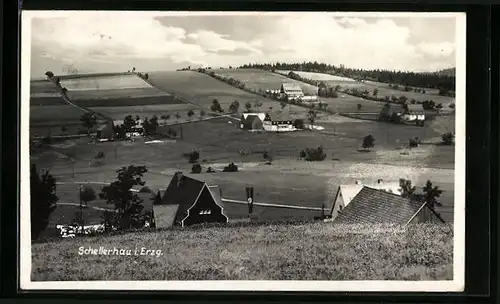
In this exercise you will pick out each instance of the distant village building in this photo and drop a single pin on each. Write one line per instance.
(375, 206)
(346, 193)
(136, 131)
(291, 91)
(252, 122)
(414, 112)
(279, 122)
(188, 201)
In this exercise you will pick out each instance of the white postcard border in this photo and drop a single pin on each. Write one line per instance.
(457, 284)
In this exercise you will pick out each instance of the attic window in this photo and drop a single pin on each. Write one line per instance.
(205, 212)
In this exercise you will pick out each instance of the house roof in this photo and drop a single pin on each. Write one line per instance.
(165, 215)
(251, 120)
(184, 191)
(291, 87)
(373, 206)
(350, 191)
(415, 108)
(262, 116)
(274, 116)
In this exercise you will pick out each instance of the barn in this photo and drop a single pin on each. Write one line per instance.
(188, 201)
(252, 122)
(291, 91)
(346, 193)
(374, 206)
(414, 112)
(278, 122)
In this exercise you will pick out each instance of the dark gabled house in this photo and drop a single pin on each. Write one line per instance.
(252, 122)
(188, 201)
(373, 206)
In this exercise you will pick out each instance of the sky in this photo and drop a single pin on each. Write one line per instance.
(113, 41)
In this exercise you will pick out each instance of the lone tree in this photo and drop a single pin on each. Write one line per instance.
(128, 205)
(375, 92)
(431, 193)
(216, 107)
(129, 122)
(406, 188)
(248, 106)
(150, 125)
(64, 129)
(88, 121)
(234, 107)
(87, 195)
(447, 138)
(359, 106)
(202, 114)
(49, 74)
(311, 115)
(165, 118)
(368, 142)
(190, 114)
(43, 200)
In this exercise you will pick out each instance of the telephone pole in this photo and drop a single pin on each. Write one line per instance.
(81, 205)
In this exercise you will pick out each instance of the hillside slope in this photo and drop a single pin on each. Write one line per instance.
(318, 251)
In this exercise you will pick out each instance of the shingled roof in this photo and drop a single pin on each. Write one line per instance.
(291, 88)
(415, 109)
(373, 206)
(184, 191)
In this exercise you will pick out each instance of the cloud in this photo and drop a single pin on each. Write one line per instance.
(100, 40)
(442, 49)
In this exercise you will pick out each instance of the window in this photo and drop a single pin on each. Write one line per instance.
(205, 212)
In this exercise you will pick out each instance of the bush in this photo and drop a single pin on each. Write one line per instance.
(302, 154)
(196, 168)
(317, 154)
(298, 123)
(414, 142)
(448, 138)
(145, 190)
(230, 168)
(210, 170)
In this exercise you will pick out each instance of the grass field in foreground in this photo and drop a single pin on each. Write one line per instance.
(310, 251)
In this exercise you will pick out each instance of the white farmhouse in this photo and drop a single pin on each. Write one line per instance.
(278, 122)
(414, 112)
(291, 91)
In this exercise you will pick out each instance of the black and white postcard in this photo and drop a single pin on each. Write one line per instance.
(283, 151)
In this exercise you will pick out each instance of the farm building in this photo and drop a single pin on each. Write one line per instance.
(188, 201)
(262, 116)
(105, 131)
(136, 131)
(278, 122)
(388, 113)
(375, 206)
(414, 112)
(346, 193)
(291, 91)
(252, 122)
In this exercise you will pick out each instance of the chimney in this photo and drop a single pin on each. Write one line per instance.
(380, 181)
(178, 176)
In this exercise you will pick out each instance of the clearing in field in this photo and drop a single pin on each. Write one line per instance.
(201, 90)
(115, 91)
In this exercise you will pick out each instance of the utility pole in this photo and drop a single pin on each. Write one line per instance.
(81, 206)
(73, 166)
(114, 145)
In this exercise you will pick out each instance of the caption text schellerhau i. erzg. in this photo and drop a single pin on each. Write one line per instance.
(101, 250)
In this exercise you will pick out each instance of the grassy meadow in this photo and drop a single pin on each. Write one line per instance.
(300, 251)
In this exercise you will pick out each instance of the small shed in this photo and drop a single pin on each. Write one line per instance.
(194, 201)
(374, 206)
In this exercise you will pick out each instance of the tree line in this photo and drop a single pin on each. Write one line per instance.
(445, 83)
